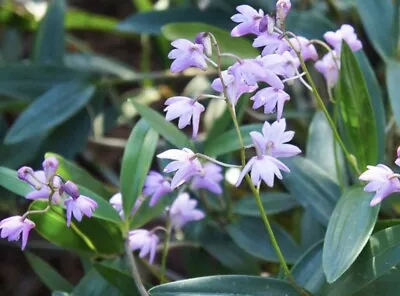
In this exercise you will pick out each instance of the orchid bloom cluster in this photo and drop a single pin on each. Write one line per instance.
(264, 77)
(47, 185)
(381, 180)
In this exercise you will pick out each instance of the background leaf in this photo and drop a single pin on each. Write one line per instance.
(312, 188)
(47, 274)
(357, 115)
(239, 285)
(10, 181)
(136, 162)
(392, 81)
(49, 41)
(250, 234)
(51, 109)
(348, 231)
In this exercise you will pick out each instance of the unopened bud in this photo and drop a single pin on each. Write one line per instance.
(50, 166)
(71, 189)
(282, 10)
(28, 175)
(204, 39)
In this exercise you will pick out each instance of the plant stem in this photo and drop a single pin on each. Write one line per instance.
(134, 270)
(227, 165)
(165, 251)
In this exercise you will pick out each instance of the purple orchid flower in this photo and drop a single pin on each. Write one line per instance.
(185, 109)
(248, 19)
(145, 241)
(209, 179)
(187, 54)
(328, 66)
(14, 226)
(116, 203)
(156, 186)
(272, 99)
(346, 33)
(183, 210)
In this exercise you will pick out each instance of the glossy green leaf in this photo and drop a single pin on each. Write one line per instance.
(375, 92)
(10, 181)
(53, 227)
(239, 285)
(219, 245)
(166, 129)
(312, 187)
(151, 22)
(348, 231)
(118, 278)
(380, 255)
(77, 19)
(229, 142)
(392, 81)
(138, 156)
(308, 271)
(321, 148)
(50, 110)
(47, 274)
(49, 41)
(226, 42)
(273, 202)
(357, 115)
(311, 231)
(30, 81)
(104, 210)
(377, 17)
(251, 235)
(70, 171)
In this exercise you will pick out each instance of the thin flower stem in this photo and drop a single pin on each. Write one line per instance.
(350, 158)
(227, 165)
(45, 210)
(207, 96)
(250, 183)
(230, 55)
(165, 251)
(210, 61)
(134, 270)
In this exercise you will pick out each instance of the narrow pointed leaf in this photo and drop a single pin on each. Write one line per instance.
(138, 156)
(348, 232)
(392, 80)
(51, 109)
(357, 115)
(49, 41)
(10, 181)
(47, 274)
(118, 278)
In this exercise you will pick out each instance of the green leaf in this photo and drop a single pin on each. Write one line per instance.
(357, 114)
(312, 187)
(380, 255)
(377, 17)
(311, 231)
(98, 64)
(77, 19)
(273, 203)
(10, 181)
(237, 46)
(308, 23)
(47, 274)
(251, 235)
(70, 171)
(308, 271)
(104, 211)
(375, 92)
(53, 227)
(151, 22)
(229, 142)
(49, 41)
(30, 81)
(50, 110)
(219, 245)
(348, 232)
(118, 278)
(321, 148)
(238, 285)
(138, 156)
(169, 131)
(392, 81)
(94, 284)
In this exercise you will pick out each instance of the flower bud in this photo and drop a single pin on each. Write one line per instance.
(28, 175)
(204, 39)
(282, 10)
(71, 189)
(50, 166)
